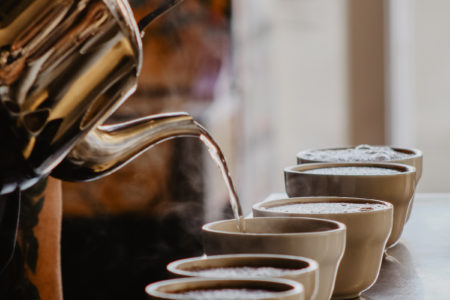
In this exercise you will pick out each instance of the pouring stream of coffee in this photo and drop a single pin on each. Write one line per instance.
(219, 158)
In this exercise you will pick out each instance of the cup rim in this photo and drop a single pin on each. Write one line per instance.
(300, 168)
(339, 226)
(264, 205)
(414, 152)
(174, 266)
(152, 288)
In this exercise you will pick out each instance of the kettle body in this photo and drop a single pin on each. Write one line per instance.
(65, 66)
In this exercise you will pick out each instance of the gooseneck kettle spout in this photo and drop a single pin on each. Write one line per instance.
(107, 148)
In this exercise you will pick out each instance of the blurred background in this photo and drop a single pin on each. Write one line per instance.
(267, 78)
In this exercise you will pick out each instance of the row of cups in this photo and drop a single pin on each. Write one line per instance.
(322, 254)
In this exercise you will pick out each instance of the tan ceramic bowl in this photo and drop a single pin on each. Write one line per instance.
(415, 159)
(280, 289)
(321, 240)
(301, 269)
(397, 189)
(367, 234)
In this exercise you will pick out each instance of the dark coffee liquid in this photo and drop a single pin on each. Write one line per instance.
(219, 158)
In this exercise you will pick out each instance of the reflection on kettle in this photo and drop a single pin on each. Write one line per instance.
(65, 67)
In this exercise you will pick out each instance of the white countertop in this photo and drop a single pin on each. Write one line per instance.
(418, 267)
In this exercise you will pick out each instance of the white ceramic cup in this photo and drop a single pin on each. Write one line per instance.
(368, 230)
(319, 239)
(277, 288)
(301, 269)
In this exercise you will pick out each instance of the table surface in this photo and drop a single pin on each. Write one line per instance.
(418, 267)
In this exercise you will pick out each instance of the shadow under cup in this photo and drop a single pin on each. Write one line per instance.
(318, 239)
(397, 189)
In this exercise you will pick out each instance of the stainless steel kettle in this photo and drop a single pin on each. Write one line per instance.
(65, 67)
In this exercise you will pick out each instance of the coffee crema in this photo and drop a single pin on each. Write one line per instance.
(361, 153)
(352, 171)
(244, 271)
(228, 293)
(327, 207)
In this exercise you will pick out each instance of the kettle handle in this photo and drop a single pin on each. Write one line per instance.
(161, 10)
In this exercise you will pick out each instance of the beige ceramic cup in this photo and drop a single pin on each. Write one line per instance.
(276, 288)
(397, 189)
(319, 239)
(301, 269)
(367, 234)
(414, 159)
